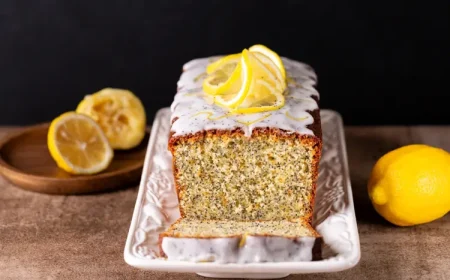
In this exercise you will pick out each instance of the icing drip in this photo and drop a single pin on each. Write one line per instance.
(194, 110)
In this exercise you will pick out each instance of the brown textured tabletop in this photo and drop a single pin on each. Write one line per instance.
(83, 237)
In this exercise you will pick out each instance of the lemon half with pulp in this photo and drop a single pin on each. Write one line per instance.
(119, 113)
(78, 145)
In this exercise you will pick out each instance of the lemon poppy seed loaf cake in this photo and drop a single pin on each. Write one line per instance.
(250, 170)
(261, 166)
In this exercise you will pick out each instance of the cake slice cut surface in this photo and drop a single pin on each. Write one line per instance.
(225, 175)
(222, 228)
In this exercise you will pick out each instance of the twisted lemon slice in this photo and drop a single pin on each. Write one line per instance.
(271, 55)
(272, 100)
(266, 90)
(249, 82)
(222, 75)
(277, 75)
(238, 91)
(227, 61)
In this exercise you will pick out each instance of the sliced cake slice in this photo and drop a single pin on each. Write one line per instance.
(240, 241)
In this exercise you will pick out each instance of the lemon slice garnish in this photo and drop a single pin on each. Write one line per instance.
(119, 113)
(222, 75)
(224, 62)
(266, 89)
(268, 99)
(231, 97)
(78, 144)
(273, 68)
(250, 82)
(221, 82)
(270, 54)
(264, 69)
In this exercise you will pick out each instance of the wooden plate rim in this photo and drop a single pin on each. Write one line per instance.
(4, 165)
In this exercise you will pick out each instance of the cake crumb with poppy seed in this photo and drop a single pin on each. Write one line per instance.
(273, 166)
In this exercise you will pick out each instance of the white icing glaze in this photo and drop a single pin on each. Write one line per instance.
(227, 250)
(196, 112)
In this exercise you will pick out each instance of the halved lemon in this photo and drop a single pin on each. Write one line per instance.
(119, 113)
(270, 54)
(78, 144)
(237, 93)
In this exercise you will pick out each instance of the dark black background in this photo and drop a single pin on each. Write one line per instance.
(378, 62)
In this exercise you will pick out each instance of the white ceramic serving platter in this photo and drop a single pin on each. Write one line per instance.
(334, 215)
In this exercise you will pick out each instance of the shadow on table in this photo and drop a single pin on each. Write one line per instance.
(129, 186)
(364, 149)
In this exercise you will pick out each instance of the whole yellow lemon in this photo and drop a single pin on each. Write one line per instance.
(411, 185)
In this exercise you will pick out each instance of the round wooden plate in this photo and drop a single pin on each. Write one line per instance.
(26, 162)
